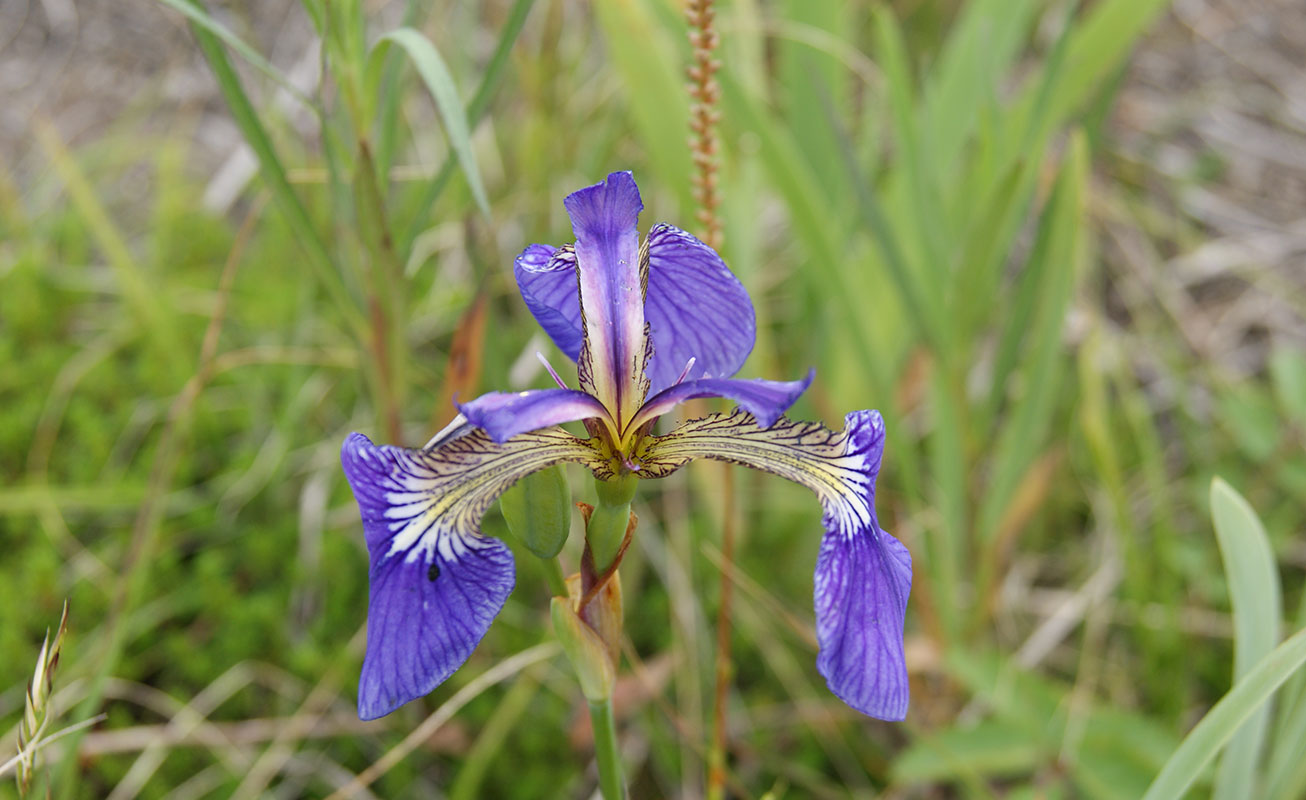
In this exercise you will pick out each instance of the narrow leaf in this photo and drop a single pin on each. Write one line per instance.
(1254, 593)
(1219, 725)
(433, 72)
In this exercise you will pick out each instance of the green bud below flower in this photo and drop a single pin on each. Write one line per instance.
(538, 511)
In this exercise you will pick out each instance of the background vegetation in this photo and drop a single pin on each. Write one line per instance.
(1067, 282)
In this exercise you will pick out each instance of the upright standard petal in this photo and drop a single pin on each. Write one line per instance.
(696, 308)
(765, 400)
(503, 415)
(611, 282)
(863, 575)
(436, 583)
(547, 280)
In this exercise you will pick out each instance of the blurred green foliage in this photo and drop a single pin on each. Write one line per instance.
(910, 194)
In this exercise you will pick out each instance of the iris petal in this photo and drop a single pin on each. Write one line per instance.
(547, 280)
(863, 575)
(505, 414)
(765, 400)
(436, 583)
(696, 308)
(611, 281)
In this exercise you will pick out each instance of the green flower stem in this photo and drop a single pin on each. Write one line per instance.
(557, 581)
(607, 525)
(611, 784)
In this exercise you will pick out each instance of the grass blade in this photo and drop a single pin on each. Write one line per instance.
(433, 72)
(200, 19)
(1219, 725)
(475, 111)
(274, 175)
(1254, 592)
(1036, 320)
(135, 285)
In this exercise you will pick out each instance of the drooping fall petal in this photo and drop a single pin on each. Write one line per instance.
(436, 582)
(863, 575)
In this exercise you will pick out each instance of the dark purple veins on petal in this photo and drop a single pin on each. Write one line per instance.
(436, 583)
(696, 308)
(547, 280)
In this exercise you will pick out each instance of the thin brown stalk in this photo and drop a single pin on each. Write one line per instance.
(703, 117)
(705, 95)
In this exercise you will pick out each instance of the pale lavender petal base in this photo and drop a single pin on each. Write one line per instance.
(503, 415)
(765, 400)
(696, 308)
(425, 618)
(861, 587)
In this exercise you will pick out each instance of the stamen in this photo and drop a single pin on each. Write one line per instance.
(688, 366)
(549, 367)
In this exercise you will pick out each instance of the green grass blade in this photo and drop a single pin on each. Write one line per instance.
(1225, 718)
(433, 72)
(975, 60)
(1254, 592)
(806, 76)
(646, 55)
(475, 111)
(913, 193)
(391, 94)
(1103, 39)
(137, 287)
(201, 19)
(274, 175)
(1036, 319)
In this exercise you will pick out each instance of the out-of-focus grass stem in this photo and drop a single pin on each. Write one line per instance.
(386, 300)
(149, 516)
(274, 174)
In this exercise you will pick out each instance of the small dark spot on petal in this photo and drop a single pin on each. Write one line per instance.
(433, 571)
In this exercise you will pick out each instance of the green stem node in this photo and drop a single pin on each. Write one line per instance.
(607, 525)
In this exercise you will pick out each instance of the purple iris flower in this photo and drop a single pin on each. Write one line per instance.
(650, 324)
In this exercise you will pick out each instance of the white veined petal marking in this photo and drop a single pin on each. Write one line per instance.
(837, 467)
(434, 499)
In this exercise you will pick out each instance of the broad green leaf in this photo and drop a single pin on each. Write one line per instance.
(1103, 39)
(433, 72)
(990, 749)
(1224, 719)
(969, 73)
(1254, 593)
(1118, 754)
(1250, 415)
